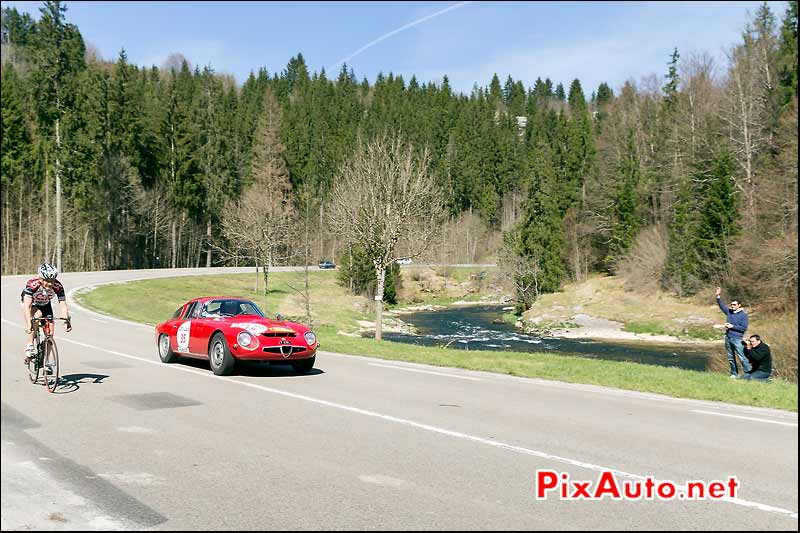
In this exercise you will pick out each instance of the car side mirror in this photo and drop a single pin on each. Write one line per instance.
(278, 316)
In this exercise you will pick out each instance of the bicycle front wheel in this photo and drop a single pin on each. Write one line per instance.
(50, 369)
(33, 368)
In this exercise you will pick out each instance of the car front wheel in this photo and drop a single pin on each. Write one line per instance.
(219, 356)
(165, 350)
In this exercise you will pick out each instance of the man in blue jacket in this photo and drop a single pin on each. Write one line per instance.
(736, 326)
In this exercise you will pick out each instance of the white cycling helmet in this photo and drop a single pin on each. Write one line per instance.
(48, 271)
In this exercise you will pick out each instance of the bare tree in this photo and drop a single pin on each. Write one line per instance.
(304, 226)
(697, 107)
(258, 225)
(385, 197)
(174, 61)
(523, 270)
(746, 111)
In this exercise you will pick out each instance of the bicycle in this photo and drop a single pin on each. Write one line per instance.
(46, 357)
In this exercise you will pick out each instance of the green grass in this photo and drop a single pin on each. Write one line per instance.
(689, 332)
(510, 318)
(153, 301)
(333, 310)
(544, 327)
(460, 274)
(630, 376)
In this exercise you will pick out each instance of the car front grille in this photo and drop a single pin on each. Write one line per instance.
(285, 351)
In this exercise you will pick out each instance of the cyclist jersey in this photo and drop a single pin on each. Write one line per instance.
(42, 296)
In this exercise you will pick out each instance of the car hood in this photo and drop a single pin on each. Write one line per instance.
(257, 326)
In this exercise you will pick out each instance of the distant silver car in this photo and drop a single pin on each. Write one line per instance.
(404, 261)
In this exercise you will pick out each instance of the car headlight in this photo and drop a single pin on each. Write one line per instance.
(244, 339)
(310, 337)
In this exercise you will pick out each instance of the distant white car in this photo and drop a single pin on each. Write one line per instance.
(404, 261)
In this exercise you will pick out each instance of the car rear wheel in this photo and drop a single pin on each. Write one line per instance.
(304, 366)
(165, 350)
(220, 357)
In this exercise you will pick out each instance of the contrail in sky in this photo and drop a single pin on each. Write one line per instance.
(394, 32)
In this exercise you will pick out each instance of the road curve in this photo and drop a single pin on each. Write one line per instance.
(130, 443)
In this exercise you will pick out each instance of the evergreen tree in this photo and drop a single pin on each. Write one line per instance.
(625, 207)
(16, 155)
(577, 100)
(559, 93)
(59, 59)
(540, 233)
(17, 36)
(703, 224)
(787, 55)
(604, 94)
(516, 99)
(357, 274)
(673, 79)
(718, 221)
(495, 94)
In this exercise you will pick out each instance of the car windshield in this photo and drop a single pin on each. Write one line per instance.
(225, 308)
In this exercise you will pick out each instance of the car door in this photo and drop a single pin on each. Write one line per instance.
(171, 326)
(183, 331)
(201, 329)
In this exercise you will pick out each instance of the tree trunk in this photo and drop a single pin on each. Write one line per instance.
(305, 264)
(19, 233)
(180, 236)
(83, 251)
(380, 270)
(265, 270)
(208, 244)
(30, 232)
(321, 238)
(47, 212)
(350, 266)
(6, 240)
(108, 242)
(256, 288)
(155, 237)
(58, 194)
(174, 259)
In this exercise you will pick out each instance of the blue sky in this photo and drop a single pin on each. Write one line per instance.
(593, 41)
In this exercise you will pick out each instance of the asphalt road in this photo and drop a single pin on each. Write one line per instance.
(130, 443)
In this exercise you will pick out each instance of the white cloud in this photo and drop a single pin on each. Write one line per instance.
(639, 45)
(199, 52)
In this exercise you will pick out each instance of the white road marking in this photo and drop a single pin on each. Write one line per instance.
(424, 372)
(142, 479)
(383, 480)
(682, 489)
(746, 418)
(135, 429)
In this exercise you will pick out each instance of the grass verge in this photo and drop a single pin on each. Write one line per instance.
(688, 332)
(335, 311)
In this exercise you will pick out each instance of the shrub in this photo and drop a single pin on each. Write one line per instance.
(643, 266)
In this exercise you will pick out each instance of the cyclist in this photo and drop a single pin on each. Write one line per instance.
(36, 298)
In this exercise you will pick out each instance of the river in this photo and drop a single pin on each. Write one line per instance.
(480, 328)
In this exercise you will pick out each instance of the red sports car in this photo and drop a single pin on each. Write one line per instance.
(226, 329)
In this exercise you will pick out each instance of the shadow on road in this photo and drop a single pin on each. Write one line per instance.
(72, 382)
(254, 369)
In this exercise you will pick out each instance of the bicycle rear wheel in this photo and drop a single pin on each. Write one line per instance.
(50, 367)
